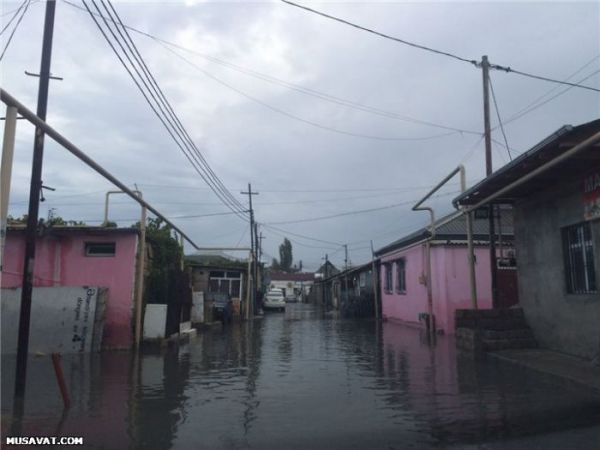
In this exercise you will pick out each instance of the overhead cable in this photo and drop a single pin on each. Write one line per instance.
(301, 119)
(439, 52)
(386, 36)
(349, 213)
(127, 39)
(173, 132)
(295, 87)
(15, 27)
(499, 119)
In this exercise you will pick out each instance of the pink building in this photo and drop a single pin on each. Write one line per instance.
(82, 256)
(404, 273)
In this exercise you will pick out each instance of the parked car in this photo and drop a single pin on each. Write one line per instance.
(291, 298)
(274, 300)
(222, 307)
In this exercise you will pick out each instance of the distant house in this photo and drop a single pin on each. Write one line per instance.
(351, 291)
(323, 292)
(218, 273)
(82, 256)
(554, 189)
(296, 285)
(403, 271)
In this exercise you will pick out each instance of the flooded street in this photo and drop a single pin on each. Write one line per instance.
(305, 380)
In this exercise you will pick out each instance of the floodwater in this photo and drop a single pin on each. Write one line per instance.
(305, 380)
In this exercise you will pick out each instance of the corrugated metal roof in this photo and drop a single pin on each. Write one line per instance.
(453, 227)
(548, 149)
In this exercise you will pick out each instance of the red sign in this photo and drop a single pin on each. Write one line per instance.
(591, 196)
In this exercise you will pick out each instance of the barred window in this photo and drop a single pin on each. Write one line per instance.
(388, 287)
(401, 276)
(579, 259)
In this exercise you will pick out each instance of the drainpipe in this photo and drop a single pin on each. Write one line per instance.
(8, 147)
(460, 169)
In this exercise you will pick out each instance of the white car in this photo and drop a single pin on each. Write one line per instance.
(274, 300)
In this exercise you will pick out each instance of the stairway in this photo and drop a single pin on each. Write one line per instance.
(492, 329)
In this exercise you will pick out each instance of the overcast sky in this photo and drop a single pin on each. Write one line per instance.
(253, 130)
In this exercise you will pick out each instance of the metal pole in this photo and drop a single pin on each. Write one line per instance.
(8, 148)
(34, 198)
(429, 290)
(70, 147)
(374, 281)
(485, 66)
(470, 249)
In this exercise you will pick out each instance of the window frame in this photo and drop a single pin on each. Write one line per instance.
(579, 259)
(388, 278)
(398, 288)
(88, 244)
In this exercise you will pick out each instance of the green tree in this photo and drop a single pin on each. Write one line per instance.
(166, 254)
(285, 255)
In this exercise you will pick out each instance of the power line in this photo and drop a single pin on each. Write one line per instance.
(16, 13)
(542, 78)
(386, 36)
(271, 227)
(15, 28)
(295, 87)
(499, 119)
(440, 52)
(298, 118)
(190, 153)
(349, 213)
(165, 102)
(536, 104)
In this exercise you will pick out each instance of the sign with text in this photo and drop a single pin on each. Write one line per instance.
(591, 196)
(62, 319)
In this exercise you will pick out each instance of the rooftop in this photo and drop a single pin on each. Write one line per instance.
(553, 146)
(297, 276)
(453, 227)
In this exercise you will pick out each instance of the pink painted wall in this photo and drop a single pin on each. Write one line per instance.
(61, 261)
(451, 289)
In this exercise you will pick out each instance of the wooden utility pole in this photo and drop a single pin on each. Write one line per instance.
(252, 268)
(485, 66)
(374, 282)
(346, 271)
(34, 206)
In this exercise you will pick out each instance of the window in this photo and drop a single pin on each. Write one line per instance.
(579, 259)
(401, 276)
(362, 279)
(388, 278)
(225, 282)
(100, 248)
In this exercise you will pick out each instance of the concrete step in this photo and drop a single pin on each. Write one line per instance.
(500, 323)
(506, 344)
(521, 333)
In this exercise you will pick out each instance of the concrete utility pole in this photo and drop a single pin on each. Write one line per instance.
(485, 68)
(34, 199)
(251, 273)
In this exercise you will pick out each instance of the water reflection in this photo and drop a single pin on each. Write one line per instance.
(298, 380)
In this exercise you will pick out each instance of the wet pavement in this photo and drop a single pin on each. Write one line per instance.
(302, 379)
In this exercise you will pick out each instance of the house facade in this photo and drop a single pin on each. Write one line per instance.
(403, 272)
(217, 274)
(555, 193)
(82, 256)
(294, 285)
